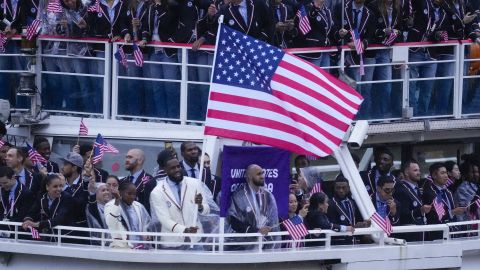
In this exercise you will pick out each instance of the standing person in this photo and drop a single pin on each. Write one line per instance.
(15, 159)
(285, 30)
(383, 201)
(361, 20)
(344, 211)
(190, 163)
(383, 158)
(292, 212)
(16, 199)
(125, 214)
(321, 35)
(42, 146)
(426, 22)
(253, 208)
(134, 161)
(454, 175)
(158, 25)
(3, 152)
(409, 193)
(85, 150)
(95, 210)
(176, 203)
(52, 208)
(436, 190)
(466, 191)
(389, 14)
(110, 22)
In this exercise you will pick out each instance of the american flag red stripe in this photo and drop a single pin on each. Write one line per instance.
(449, 182)
(390, 39)
(357, 42)
(383, 223)
(477, 202)
(34, 232)
(444, 35)
(108, 148)
(34, 156)
(95, 7)
(2, 143)
(83, 131)
(137, 55)
(303, 22)
(316, 188)
(33, 28)
(439, 208)
(54, 6)
(296, 228)
(3, 41)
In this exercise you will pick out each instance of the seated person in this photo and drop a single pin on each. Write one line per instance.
(317, 218)
(53, 207)
(125, 214)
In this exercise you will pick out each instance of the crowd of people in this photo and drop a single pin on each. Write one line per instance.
(175, 200)
(195, 21)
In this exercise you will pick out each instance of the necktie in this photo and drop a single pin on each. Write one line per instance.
(356, 12)
(131, 178)
(192, 173)
(347, 209)
(179, 191)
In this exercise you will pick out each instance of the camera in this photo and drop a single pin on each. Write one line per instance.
(358, 134)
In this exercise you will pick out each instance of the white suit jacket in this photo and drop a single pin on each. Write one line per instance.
(174, 216)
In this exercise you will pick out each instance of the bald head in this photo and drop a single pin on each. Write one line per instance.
(134, 160)
(255, 176)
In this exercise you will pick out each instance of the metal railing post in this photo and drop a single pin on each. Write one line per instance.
(59, 240)
(184, 87)
(107, 82)
(458, 91)
(328, 241)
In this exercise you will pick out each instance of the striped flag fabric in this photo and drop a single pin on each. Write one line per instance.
(263, 95)
(357, 42)
(83, 131)
(3, 41)
(296, 228)
(476, 201)
(449, 182)
(137, 55)
(444, 35)
(438, 205)
(34, 156)
(95, 7)
(33, 28)
(316, 188)
(303, 22)
(54, 6)
(121, 57)
(390, 39)
(383, 223)
(100, 147)
(2, 143)
(34, 232)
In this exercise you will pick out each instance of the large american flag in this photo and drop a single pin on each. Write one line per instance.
(138, 55)
(34, 156)
(54, 6)
(100, 147)
(383, 223)
(296, 228)
(263, 95)
(33, 28)
(83, 131)
(438, 205)
(303, 22)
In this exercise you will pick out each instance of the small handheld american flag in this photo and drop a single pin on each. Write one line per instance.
(100, 147)
(54, 6)
(83, 129)
(95, 7)
(359, 49)
(3, 41)
(2, 143)
(390, 39)
(303, 22)
(33, 29)
(316, 188)
(138, 55)
(438, 205)
(296, 228)
(121, 57)
(383, 223)
(34, 232)
(34, 156)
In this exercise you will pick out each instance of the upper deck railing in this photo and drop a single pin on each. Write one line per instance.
(172, 85)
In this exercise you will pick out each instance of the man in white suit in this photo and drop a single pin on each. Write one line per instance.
(176, 202)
